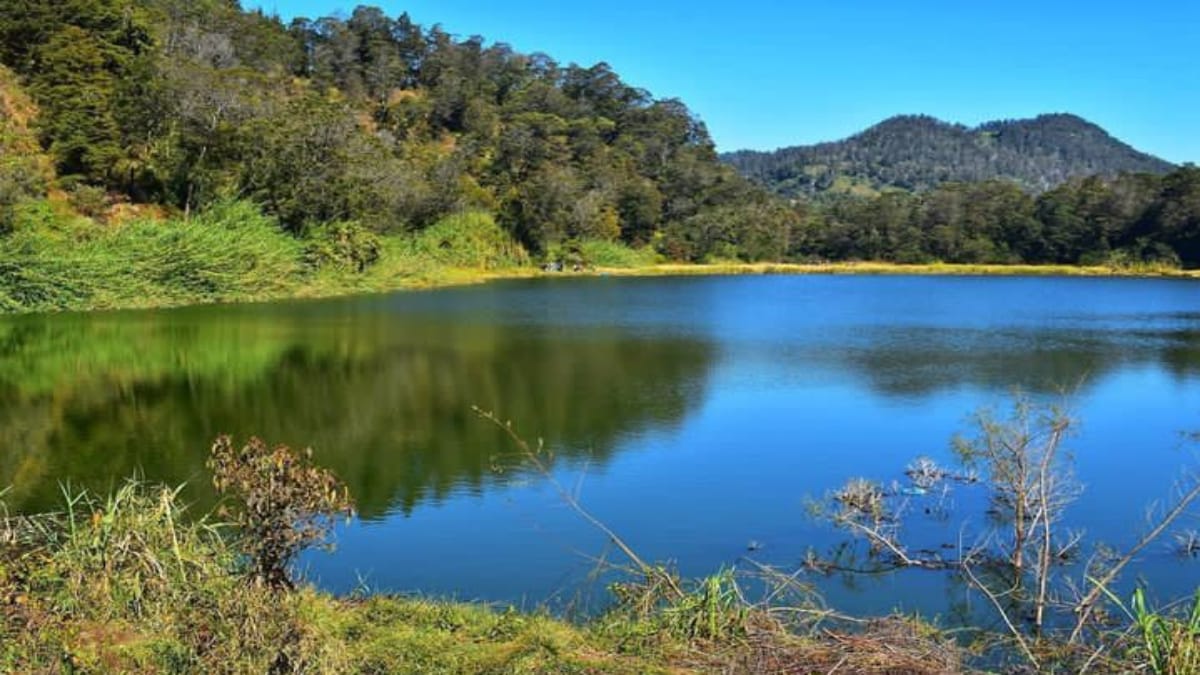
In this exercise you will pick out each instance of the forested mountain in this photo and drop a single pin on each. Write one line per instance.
(370, 119)
(916, 153)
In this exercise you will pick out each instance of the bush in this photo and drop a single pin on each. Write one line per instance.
(470, 239)
(283, 503)
(343, 244)
(601, 253)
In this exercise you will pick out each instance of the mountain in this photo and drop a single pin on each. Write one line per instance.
(918, 152)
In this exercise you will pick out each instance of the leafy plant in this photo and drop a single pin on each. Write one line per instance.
(345, 244)
(1171, 645)
(471, 239)
(283, 503)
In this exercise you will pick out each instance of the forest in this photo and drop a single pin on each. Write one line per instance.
(919, 152)
(1127, 221)
(170, 151)
(371, 120)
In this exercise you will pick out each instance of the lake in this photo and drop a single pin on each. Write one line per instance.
(692, 415)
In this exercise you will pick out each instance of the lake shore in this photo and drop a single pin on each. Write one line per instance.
(410, 275)
(131, 584)
(895, 269)
(134, 585)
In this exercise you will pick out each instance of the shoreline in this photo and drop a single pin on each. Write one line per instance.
(892, 269)
(451, 277)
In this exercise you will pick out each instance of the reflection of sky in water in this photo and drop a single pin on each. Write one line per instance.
(693, 414)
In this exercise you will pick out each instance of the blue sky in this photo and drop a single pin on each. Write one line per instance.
(769, 73)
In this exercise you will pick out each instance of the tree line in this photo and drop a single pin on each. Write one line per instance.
(1130, 220)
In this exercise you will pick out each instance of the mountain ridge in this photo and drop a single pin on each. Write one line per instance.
(919, 152)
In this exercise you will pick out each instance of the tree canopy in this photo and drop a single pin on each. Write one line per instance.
(370, 118)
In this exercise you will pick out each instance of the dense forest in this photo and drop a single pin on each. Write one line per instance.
(370, 119)
(170, 151)
(918, 153)
(1128, 221)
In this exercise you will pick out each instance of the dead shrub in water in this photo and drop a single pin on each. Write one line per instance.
(283, 503)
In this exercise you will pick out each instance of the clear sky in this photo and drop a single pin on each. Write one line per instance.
(769, 73)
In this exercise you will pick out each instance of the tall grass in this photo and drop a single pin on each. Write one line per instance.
(1170, 644)
(469, 240)
(229, 252)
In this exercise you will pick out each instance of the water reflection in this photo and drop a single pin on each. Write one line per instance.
(918, 362)
(384, 398)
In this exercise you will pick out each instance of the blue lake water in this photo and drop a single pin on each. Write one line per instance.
(692, 415)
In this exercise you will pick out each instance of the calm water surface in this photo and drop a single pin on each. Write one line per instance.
(694, 415)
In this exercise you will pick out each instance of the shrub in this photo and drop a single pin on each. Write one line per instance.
(470, 239)
(344, 244)
(601, 253)
(283, 503)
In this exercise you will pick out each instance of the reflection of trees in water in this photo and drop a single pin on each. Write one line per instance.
(919, 362)
(385, 398)
(384, 401)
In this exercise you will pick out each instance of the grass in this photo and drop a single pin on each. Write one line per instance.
(130, 584)
(230, 253)
(133, 583)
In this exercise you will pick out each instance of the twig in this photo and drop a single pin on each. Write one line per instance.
(1085, 607)
(875, 536)
(1003, 615)
(570, 500)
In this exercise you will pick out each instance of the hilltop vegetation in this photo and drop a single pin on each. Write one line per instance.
(371, 120)
(917, 153)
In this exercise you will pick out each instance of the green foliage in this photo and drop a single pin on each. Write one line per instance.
(471, 240)
(1170, 645)
(229, 252)
(1135, 221)
(369, 119)
(344, 244)
(398, 129)
(134, 583)
(24, 170)
(713, 610)
(283, 504)
(920, 153)
(76, 58)
(601, 253)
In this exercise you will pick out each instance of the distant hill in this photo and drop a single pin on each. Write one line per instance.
(917, 152)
